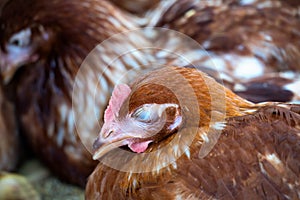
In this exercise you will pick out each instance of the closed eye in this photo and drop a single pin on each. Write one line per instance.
(142, 115)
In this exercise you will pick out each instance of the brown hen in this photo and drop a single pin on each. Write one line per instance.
(184, 136)
(43, 44)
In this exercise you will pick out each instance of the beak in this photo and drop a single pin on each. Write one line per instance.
(6, 68)
(7, 74)
(11, 62)
(104, 145)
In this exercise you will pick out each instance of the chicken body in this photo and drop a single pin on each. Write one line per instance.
(219, 146)
(244, 40)
(233, 31)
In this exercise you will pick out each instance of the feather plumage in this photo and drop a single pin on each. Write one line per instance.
(243, 39)
(9, 143)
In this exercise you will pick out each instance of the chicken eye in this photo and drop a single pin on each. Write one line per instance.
(142, 115)
(20, 39)
(15, 42)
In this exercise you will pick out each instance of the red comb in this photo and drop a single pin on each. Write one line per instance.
(119, 95)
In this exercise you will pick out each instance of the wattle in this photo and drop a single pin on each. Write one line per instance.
(139, 147)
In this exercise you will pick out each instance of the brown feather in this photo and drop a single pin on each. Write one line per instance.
(9, 142)
(138, 7)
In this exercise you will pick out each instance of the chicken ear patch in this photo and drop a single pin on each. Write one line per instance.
(119, 95)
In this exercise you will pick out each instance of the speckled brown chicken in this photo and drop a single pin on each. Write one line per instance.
(243, 39)
(42, 48)
(184, 136)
